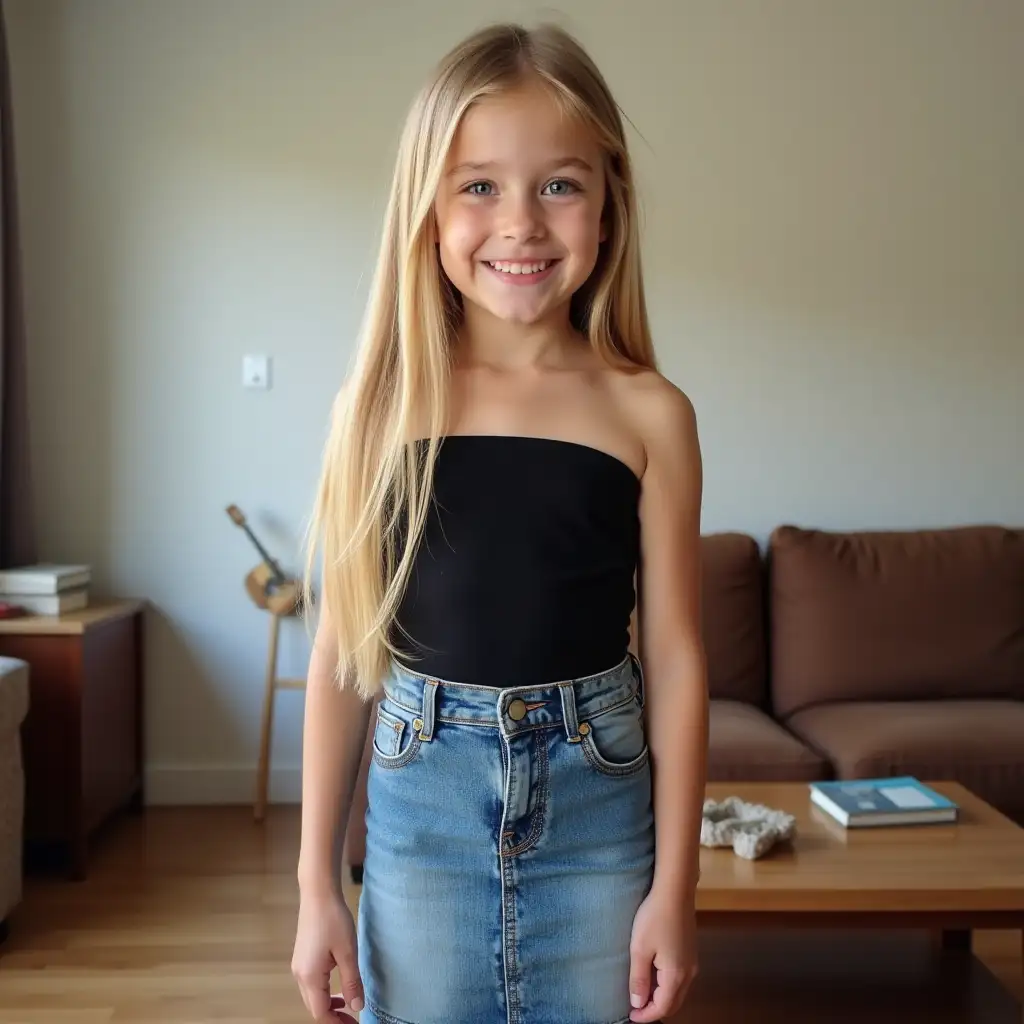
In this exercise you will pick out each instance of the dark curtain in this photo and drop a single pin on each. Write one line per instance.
(17, 526)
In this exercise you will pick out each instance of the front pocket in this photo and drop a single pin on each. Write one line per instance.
(615, 741)
(395, 740)
(387, 737)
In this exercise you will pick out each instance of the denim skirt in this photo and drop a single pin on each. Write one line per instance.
(509, 844)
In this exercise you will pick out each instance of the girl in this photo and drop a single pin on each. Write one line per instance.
(507, 476)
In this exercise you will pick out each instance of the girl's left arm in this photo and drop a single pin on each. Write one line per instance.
(664, 954)
(671, 643)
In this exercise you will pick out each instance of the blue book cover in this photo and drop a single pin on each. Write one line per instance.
(898, 795)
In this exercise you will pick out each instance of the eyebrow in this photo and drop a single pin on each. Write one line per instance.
(568, 161)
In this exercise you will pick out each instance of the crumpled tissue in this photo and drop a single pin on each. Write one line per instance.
(750, 829)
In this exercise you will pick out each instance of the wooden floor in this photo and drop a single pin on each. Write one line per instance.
(188, 916)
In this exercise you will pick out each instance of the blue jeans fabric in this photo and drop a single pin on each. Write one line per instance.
(510, 842)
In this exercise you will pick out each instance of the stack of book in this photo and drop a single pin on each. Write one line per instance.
(46, 588)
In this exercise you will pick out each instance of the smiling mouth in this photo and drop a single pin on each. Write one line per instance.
(521, 271)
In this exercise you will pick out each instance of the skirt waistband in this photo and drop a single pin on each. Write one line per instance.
(517, 708)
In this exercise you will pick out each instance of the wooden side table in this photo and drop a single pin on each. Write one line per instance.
(83, 737)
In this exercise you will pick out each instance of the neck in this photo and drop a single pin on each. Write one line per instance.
(486, 340)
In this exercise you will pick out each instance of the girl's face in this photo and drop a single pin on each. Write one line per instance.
(519, 207)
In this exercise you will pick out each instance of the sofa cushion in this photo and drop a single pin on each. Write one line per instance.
(14, 694)
(14, 703)
(978, 743)
(745, 745)
(734, 617)
(896, 616)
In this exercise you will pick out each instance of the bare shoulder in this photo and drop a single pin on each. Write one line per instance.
(663, 418)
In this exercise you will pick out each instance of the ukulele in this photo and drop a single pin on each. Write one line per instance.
(267, 584)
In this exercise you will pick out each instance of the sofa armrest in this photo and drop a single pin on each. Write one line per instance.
(13, 695)
(14, 701)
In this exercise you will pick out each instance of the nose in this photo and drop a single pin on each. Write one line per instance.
(521, 217)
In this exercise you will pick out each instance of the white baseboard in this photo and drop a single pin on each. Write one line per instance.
(218, 784)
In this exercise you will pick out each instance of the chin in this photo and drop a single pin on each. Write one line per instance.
(518, 317)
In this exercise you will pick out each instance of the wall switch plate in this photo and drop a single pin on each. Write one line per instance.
(256, 371)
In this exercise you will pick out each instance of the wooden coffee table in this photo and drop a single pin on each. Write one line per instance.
(797, 907)
(950, 879)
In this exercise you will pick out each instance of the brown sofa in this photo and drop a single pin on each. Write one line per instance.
(903, 653)
(860, 654)
(14, 701)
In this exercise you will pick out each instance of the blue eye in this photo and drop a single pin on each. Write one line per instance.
(471, 189)
(563, 187)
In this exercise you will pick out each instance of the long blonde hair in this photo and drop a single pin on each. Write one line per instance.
(375, 486)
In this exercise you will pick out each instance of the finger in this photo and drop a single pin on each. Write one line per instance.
(316, 994)
(335, 1014)
(663, 999)
(641, 970)
(351, 984)
(688, 979)
(301, 987)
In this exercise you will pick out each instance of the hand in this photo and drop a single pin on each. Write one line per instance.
(326, 938)
(663, 957)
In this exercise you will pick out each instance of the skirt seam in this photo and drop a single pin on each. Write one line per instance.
(387, 1018)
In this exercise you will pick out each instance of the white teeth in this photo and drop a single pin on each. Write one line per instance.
(519, 268)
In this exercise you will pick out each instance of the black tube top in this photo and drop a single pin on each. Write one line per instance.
(526, 569)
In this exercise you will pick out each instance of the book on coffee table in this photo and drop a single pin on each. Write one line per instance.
(900, 800)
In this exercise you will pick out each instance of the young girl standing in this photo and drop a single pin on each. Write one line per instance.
(508, 518)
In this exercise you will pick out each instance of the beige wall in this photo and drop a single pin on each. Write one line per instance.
(834, 234)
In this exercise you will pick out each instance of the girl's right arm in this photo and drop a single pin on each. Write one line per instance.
(334, 734)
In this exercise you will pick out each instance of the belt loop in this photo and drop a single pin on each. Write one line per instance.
(429, 697)
(568, 695)
(638, 674)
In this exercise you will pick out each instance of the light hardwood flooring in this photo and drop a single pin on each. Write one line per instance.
(188, 916)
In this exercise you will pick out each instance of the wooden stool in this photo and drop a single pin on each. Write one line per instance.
(272, 683)
(280, 595)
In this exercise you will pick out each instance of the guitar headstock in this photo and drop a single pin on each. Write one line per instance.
(236, 515)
